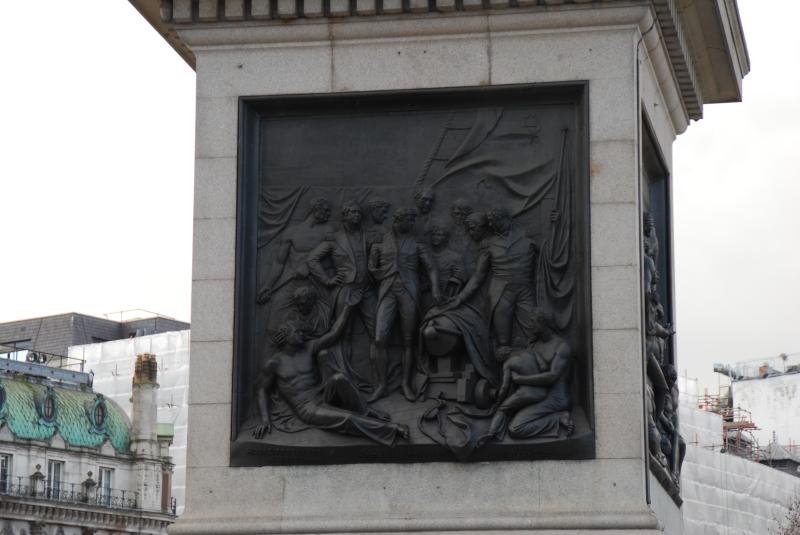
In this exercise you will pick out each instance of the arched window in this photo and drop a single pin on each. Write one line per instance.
(49, 407)
(99, 415)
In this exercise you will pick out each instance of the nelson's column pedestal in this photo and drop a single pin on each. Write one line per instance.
(433, 274)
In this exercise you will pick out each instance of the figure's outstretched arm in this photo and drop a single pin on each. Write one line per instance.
(475, 282)
(329, 338)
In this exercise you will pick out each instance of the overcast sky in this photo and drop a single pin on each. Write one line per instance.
(96, 165)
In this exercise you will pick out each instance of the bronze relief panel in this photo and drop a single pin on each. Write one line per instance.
(413, 278)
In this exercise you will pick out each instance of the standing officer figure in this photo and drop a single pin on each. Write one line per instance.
(347, 249)
(394, 261)
(509, 255)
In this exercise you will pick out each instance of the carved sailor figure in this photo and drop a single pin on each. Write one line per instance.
(296, 242)
(378, 210)
(478, 229)
(536, 395)
(347, 250)
(395, 261)
(423, 201)
(509, 257)
(449, 262)
(290, 262)
(335, 405)
(460, 239)
(309, 313)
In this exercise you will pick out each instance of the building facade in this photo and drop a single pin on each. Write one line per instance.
(113, 365)
(51, 336)
(72, 462)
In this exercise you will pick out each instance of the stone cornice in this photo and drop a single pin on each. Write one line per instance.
(83, 515)
(692, 35)
(680, 58)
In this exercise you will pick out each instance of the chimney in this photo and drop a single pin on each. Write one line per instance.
(144, 432)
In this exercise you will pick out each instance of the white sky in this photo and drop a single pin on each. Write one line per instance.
(96, 171)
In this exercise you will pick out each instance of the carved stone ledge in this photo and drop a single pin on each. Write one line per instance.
(666, 481)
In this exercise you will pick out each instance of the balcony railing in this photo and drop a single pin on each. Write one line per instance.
(42, 489)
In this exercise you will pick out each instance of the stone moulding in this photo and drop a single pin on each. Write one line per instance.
(643, 520)
(697, 84)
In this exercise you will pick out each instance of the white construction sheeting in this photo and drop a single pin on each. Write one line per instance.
(700, 428)
(727, 495)
(724, 494)
(689, 389)
(774, 403)
(112, 364)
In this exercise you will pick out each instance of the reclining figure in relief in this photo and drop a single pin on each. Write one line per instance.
(294, 374)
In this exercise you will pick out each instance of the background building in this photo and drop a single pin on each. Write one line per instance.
(51, 336)
(113, 366)
(72, 462)
(730, 484)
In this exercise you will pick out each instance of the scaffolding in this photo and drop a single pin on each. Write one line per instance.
(737, 424)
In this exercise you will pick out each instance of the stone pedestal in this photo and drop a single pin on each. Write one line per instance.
(648, 66)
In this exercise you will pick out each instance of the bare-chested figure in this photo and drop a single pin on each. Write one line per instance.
(292, 371)
(656, 333)
(290, 264)
(649, 229)
(296, 242)
(540, 378)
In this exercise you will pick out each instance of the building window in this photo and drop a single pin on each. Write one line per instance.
(106, 484)
(99, 415)
(46, 404)
(15, 350)
(49, 407)
(5, 472)
(55, 472)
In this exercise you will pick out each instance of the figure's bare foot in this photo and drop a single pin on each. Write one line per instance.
(403, 431)
(379, 415)
(378, 394)
(483, 439)
(566, 423)
(408, 393)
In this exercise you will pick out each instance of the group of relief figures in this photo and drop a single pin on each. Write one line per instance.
(664, 440)
(458, 297)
